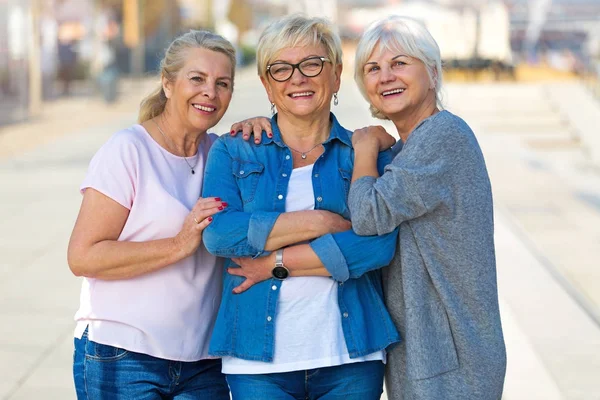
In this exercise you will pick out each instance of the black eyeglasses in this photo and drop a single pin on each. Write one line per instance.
(309, 67)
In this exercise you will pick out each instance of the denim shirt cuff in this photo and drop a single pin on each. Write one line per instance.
(331, 256)
(259, 229)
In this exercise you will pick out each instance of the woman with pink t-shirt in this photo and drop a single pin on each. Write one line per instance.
(150, 289)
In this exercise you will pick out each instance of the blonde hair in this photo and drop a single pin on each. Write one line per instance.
(174, 59)
(297, 30)
(399, 33)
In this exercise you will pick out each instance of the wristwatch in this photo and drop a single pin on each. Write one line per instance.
(280, 271)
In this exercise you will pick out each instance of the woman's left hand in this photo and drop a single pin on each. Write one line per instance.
(373, 136)
(255, 270)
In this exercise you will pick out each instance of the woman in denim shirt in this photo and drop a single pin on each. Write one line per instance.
(297, 336)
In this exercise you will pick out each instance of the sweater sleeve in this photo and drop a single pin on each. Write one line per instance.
(417, 181)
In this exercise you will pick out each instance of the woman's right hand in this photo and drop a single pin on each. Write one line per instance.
(253, 126)
(372, 137)
(189, 237)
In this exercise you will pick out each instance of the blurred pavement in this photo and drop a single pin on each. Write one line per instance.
(547, 196)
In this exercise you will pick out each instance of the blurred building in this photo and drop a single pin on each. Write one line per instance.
(472, 34)
(558, 32)
(48, 48)
(14, 49)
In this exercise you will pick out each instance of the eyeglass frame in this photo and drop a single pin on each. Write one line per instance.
(297, 66)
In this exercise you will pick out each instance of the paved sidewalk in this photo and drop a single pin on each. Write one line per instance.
(553, 343)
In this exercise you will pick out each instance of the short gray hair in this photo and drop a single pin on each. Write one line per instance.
(400, 33)
(297, 30)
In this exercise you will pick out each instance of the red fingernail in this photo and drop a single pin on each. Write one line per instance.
(209, 219)
(220, 207)
(224, 204)
(270, 135)
(217, 199)
(232, 133)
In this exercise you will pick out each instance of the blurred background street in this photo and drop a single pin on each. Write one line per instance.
(523, 73)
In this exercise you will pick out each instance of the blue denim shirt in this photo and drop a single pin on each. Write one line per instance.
(253, 180)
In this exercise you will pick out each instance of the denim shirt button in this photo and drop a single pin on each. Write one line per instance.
(319, 199)
(242, 172)
(316, 175)
(341, 283)
(274, 287)
(269, 318)
(284, 175)
(287, 157)
(280, 197)
(345, 315)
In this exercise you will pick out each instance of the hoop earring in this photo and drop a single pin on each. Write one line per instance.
(335, 99)
(273, 110)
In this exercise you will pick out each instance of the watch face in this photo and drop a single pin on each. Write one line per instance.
(280, 272)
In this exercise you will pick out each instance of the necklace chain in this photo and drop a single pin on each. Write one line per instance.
(303, 154)
(167, 142)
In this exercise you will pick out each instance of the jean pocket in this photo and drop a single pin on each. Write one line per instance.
(430, 348)
(103, 352)
(247, 174)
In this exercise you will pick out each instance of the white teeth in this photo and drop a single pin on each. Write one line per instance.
(303, 94)
(392, 92)
(207, 109)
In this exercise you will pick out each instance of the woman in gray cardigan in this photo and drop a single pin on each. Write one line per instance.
(441, 286)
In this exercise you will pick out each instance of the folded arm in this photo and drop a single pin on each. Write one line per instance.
(414, 183)
(236, 233)
(341, 255)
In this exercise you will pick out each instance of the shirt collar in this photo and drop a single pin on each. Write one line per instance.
(337, 133)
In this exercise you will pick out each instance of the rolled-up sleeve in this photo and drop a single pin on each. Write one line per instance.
(233, 232)
(347, 255)
(259, 228)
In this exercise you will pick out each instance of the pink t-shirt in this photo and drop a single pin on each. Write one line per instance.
(169, 313)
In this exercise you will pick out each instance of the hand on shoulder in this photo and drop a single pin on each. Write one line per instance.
(372, 137)
(252, 126)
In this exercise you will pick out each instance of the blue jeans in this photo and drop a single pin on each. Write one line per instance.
(357, 381)
(110, 373)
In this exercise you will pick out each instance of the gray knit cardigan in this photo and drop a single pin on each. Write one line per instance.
(441, 285)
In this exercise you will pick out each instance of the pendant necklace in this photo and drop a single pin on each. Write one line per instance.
(167, 142)
(303, 154)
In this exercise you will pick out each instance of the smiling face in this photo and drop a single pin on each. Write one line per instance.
(396, 84)
(301, 96)
(201, 93)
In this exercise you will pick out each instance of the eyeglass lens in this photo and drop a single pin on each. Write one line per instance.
(310, 67)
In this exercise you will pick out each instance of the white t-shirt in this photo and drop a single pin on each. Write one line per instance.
(169, 313)
(308, 327)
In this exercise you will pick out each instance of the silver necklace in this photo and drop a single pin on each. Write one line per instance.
(167, 142)
(304, 153)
